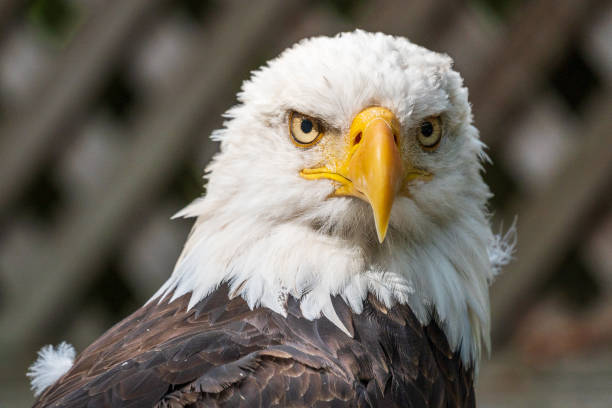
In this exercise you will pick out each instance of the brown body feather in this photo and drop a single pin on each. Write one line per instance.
(221, 353)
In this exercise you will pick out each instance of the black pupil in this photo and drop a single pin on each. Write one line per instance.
(427, 129)
(306, 125)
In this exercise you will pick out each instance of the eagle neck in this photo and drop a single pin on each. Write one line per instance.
(444, 278)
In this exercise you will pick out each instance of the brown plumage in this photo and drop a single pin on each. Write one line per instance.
(221, 353)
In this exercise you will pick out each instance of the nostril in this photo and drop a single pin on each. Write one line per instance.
(357, 139)
(395, 138)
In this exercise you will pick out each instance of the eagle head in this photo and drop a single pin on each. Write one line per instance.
(349, 167)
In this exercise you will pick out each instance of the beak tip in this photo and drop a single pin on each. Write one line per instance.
(381, 232)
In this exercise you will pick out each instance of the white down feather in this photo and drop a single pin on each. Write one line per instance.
(50, 365)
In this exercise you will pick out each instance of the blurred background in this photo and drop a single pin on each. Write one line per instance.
(105, 112)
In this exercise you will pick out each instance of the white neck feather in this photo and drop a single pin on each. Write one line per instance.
(444, 276)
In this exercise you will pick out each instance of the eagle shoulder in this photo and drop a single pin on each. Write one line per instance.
(221, 353)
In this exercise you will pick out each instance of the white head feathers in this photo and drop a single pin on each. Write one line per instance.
(270, 233)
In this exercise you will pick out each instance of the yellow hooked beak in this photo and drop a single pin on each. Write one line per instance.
(372, 169)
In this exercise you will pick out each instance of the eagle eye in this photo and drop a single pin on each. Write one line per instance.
(305, 130)
(429, 132)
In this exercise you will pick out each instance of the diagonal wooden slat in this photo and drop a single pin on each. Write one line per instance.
(536, 38)
(28, 135)
(163, 136)
(549, 223)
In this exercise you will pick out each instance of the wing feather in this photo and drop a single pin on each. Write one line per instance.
(221, 353)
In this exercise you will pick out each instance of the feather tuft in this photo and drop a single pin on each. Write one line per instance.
(51, 364)
(501, 248)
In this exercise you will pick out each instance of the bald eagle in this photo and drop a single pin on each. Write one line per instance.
(341, 256)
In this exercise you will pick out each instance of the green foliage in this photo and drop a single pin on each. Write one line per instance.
(112, 290)
(196, 9)
(44, 196)
(576, 283)
(346, 8)
(188, 183)
(119, 96)
(502, 184)
(56, 19)
(500, 8)
(574, 79)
